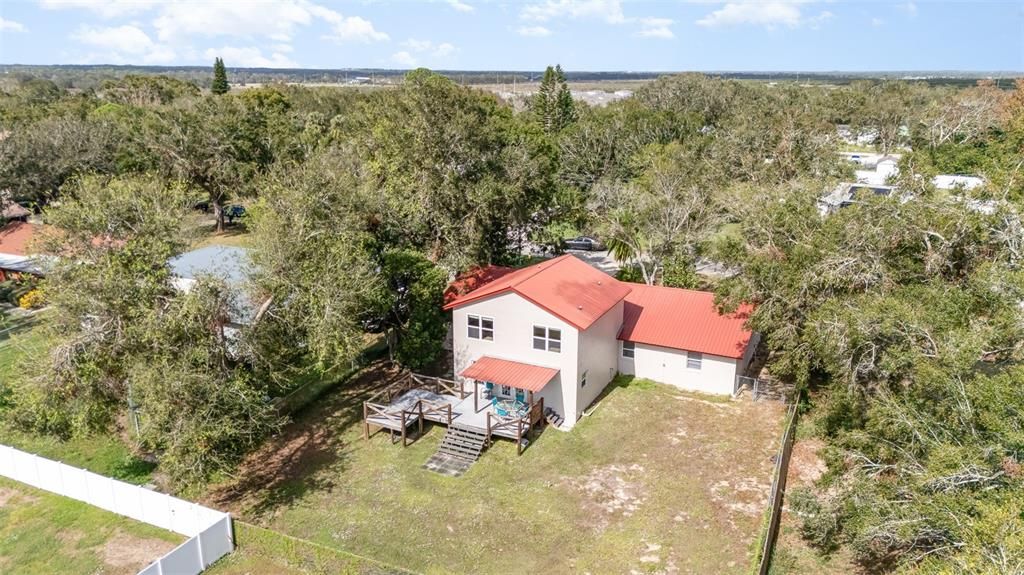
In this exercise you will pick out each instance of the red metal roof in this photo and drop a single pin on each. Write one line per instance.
(565, 286)
(15, 236)
(511, 373)
(473, 279)
(683, 319)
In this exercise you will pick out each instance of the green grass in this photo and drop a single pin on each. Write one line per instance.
(262, 552)
(102, 454)
(45, 533)
(653, 479)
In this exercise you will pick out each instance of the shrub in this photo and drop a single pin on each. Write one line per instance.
(33, 299)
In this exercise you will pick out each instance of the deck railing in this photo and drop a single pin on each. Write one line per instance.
(440, 386)
(522, 425)
(391, 419)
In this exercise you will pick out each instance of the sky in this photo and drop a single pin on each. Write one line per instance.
(581, 35)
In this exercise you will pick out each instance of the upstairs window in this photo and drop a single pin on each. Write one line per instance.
(628, 349)
(694, 359)
(583, 380)
(480, 327)
(547, 338)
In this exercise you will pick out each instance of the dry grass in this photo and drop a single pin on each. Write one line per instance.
(651, 482)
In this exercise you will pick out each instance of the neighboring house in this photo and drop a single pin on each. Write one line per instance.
(846, 194)
(14, 212)
(560, 330)
(227, 263)
(14, 257)
(883, 168)
(957, 182)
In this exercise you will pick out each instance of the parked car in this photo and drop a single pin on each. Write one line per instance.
(234, 212)
(583, 243)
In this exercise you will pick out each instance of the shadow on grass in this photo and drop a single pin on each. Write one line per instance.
(295, 462)
(11, 326)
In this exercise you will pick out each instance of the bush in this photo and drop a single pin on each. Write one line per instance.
(34, 299)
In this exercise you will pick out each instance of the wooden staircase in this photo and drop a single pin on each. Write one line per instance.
(463, 442)
(553, 417)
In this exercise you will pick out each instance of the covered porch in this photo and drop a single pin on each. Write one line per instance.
(504, 399)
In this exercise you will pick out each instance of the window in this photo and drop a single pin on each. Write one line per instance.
(628, 349)
(506, 390)
(547, 338)
(480, 327)
(693, 359)
(583, 380)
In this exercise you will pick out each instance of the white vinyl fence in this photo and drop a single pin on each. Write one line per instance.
(209, 530)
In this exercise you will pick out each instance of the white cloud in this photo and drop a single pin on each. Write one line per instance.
(275, 20)
(909, 7)
(420, 50)
(104, 8)
(250, 57)
(11, 25)
(876, 22)
(404, 59)
(768, 14)
(535, 31)
(460, 6)
(655, 28)
(608, 10)
(349, 28)
(122, 44)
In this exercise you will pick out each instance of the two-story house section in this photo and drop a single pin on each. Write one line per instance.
(560, 330)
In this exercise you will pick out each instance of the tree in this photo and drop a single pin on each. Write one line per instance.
(553, 105)
(410, 307)
(217, 145)
(125, 338)
(220, 78)
(663, 216)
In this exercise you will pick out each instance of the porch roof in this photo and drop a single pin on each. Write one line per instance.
(511, 373)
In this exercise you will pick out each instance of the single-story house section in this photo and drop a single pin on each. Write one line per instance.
(227, 263)
(560, 330)
(14, 257)
(677, 336)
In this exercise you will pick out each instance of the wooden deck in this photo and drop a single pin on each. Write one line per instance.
(412, 399)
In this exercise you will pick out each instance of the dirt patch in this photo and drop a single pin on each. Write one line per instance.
(70, 537)
(15, 496)
(129, 554)
(748, 496)
(610, 491)
(288, 464)
(806, 465)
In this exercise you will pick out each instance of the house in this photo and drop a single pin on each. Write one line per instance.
(14, 212)
(226, 263)
(557, 332)
(15, 260)
(846, 194)
(957, 182)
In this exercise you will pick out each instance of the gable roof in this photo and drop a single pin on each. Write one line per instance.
(565, 286)
(14, 211)
(683, 319)
(15, 236)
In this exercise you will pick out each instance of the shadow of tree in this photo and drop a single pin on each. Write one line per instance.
(305, 456)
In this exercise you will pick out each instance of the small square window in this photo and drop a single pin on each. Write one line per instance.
(583, 380)
(547, 338)
(628, 349)
(694, 359)
(480, 327)
(506, 390)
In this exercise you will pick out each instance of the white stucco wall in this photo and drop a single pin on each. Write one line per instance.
(716, 375)
(598, 358)
(514, 318)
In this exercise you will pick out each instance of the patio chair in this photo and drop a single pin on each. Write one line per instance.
(520, 396)
(488, 390)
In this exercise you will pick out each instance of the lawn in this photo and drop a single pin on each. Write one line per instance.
(102, 454)
(45, 533)
(653, 480)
